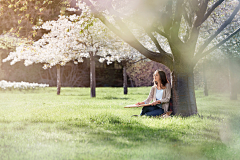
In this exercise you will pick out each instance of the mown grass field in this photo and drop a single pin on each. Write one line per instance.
(41, 125)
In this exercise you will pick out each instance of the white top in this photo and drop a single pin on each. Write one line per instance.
(159, 94)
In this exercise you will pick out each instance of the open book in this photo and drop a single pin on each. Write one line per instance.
(134, 105)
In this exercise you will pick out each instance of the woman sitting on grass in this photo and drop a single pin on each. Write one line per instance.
(160, 93)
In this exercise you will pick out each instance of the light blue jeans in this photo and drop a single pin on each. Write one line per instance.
(151, 111)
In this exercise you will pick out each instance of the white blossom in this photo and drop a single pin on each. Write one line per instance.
(20, 85)
(71, 38)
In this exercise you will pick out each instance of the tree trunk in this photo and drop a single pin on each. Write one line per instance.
(125, 79)
(205, 79)
(61, 76)
(92, 76)
(132, 85)
(58, 79)
(233, 78)
(183, 93)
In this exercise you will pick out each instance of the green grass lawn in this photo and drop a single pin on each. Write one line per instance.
(41, 125)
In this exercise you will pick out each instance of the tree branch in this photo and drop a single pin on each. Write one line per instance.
(160, 32)
(224, 25)
(197, 58)
(128, 32)
(159, 57)
(155, 42)
(177, 19)
(210, 10)
(200, 14)
(194, 33)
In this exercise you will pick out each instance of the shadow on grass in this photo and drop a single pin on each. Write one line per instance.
(138, 93)
(75, 94)
(212, 117)
(126, 133)
(111, 98)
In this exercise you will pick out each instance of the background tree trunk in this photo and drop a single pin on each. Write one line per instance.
(233, 78)
(92, 75)
(58, 79)
(205, 79)
(183, 93)
(124, 78)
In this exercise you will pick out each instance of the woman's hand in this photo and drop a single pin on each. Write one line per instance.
(156, 102)
(139, 103)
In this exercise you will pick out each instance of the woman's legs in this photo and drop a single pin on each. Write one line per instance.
(156, 112)
(147, 109)
(151, 111)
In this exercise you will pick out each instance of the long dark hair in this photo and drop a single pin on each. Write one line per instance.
(163, 77)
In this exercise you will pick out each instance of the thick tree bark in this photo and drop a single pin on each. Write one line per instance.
(125, 79)
(58, 79)
(183, 93)
(92, 76)
(233, 78)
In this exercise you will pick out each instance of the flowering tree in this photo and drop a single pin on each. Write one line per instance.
(180, 22)
(70, 38)
(53, 49)
(95, 39)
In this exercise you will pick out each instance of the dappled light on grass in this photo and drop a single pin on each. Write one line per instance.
(42, 125)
